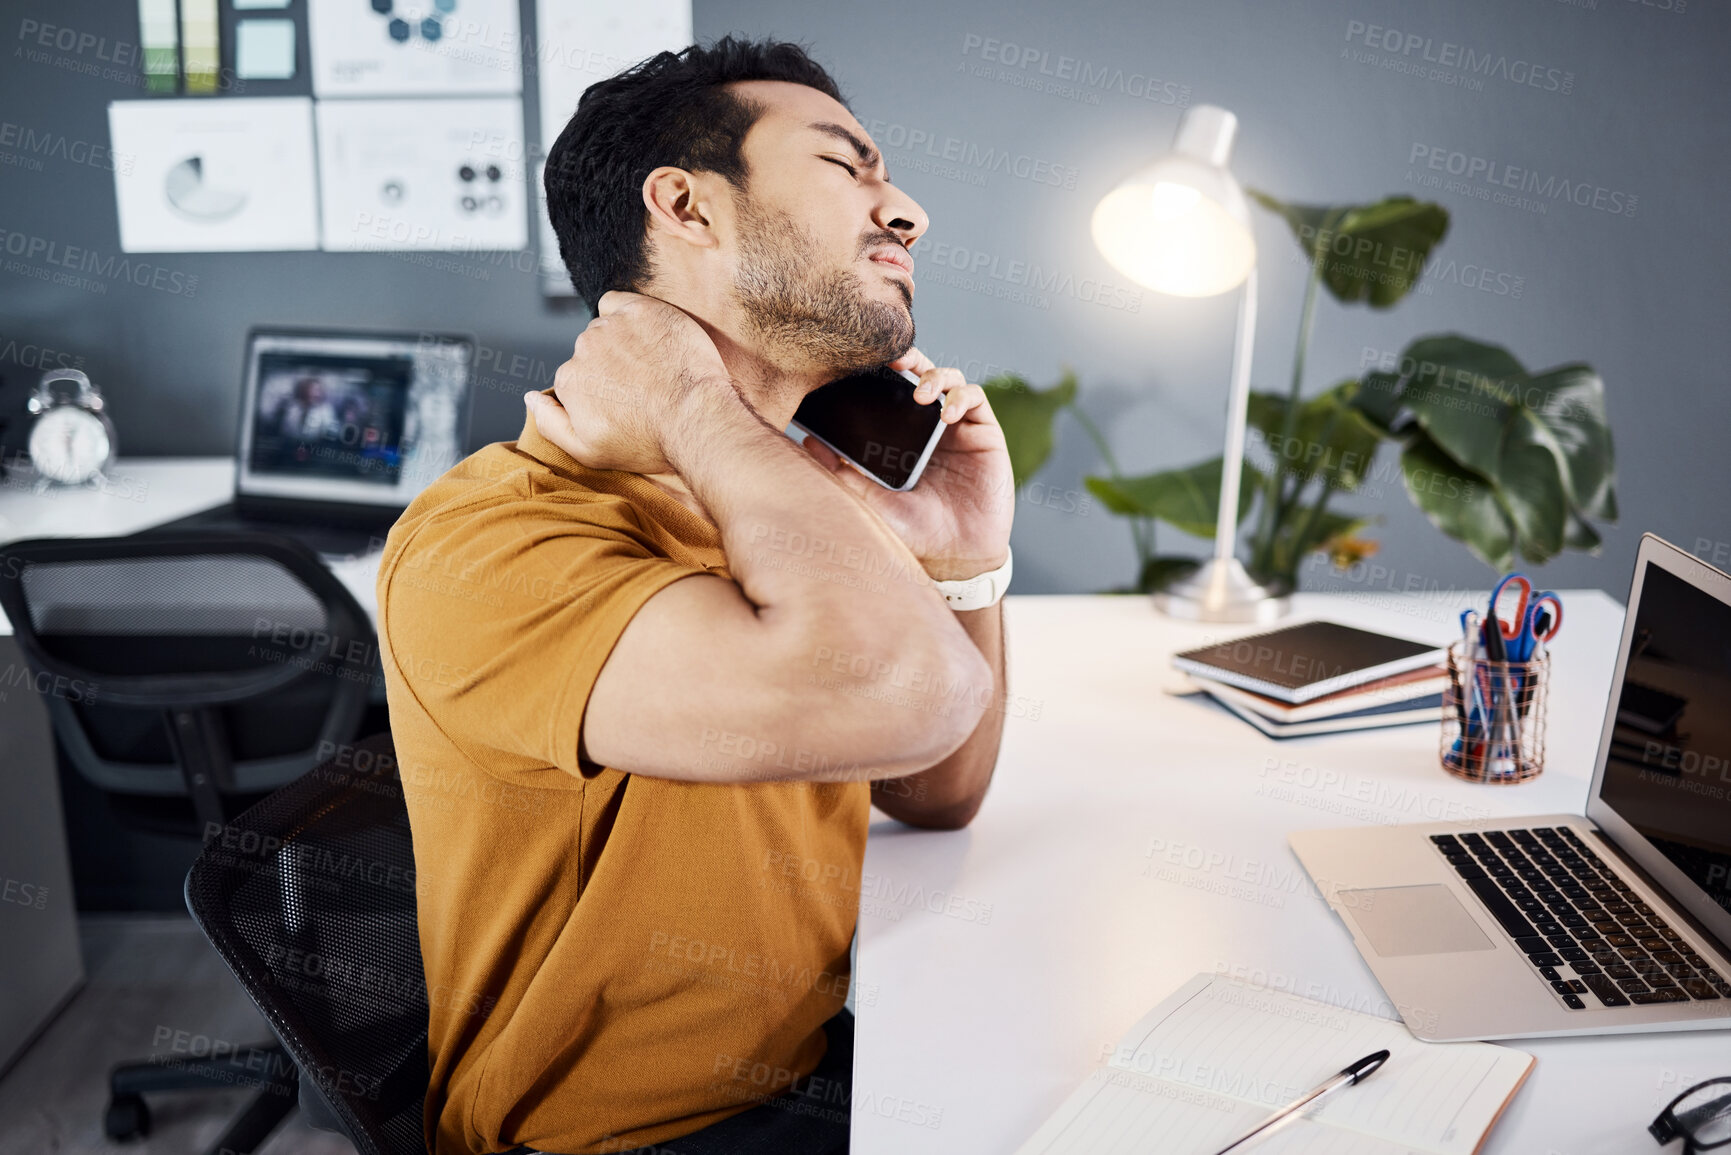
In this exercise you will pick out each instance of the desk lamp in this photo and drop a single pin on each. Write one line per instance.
(1181, 225)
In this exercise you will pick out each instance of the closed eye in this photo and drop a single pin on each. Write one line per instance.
(851, 170)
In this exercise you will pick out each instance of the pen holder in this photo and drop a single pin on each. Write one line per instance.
(1494, 731)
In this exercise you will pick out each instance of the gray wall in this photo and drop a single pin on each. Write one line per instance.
(1324, 118)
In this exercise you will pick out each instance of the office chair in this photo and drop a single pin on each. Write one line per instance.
(208, 667)
(313, 908)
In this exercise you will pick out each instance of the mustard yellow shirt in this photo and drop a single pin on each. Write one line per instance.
(601, 949)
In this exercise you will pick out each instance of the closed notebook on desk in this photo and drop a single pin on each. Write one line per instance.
(1218, 1057)
(1302, 662)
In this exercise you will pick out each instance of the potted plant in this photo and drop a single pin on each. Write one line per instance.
(1503, 459)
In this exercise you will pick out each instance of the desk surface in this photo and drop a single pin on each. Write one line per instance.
(1132, 838)
(141, 494)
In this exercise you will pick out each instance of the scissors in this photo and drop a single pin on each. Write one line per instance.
(1536, 618)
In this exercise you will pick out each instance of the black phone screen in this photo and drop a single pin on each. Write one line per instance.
(872, 417)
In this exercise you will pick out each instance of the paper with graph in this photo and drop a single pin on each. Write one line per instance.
(1218, 1057)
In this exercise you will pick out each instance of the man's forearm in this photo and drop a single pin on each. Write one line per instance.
(945, 796)
(788, 531)
(823, 569)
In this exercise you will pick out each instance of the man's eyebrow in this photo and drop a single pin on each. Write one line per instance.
(868, 156)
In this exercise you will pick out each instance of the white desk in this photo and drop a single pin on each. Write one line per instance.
(141, 494)
(1056, 928)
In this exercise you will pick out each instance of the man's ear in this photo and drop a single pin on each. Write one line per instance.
(680, 206)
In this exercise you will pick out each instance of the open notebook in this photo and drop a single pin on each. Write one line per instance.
(1218, 1057)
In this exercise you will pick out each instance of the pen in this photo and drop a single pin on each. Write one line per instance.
(1292, 1110)
(1469, 645)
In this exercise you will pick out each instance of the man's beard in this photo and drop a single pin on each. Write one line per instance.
(803, 317)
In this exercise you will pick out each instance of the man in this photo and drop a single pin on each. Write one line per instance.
(650, 664)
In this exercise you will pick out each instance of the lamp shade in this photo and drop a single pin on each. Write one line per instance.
(1181, 225)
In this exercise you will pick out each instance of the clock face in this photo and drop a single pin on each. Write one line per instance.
(69, 445)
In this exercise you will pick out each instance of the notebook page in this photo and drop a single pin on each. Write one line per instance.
(1267, 1048)
(1119, 1112)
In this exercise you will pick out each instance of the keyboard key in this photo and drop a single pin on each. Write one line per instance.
(1699, 989)
(1606, 991)
(1631, 986)
(1571, 919)
(1545, 960)
(1550, 973)
(1445, 840)
(1504, 911)
(1619, 940)
(1582, 968)
(1619, 971)
(1570, 987)
(1660, 954)
(1533, 943)
(1668, 995)
(1574, 1003)
(1473, 838)
(1560, 940)
(1573, 954)
(1469, 870)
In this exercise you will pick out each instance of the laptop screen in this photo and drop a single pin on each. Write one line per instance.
(367, 419)
(321, 416)
(1667, 769)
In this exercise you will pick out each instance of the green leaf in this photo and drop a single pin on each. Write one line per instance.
(1460, 392)
(1187, 498)
(1541, 442)
(1579, 535)
(1332, 441)
(1458, 502)
(1373, 253)
(1570, 402)
(1026, 415)
(1378, 398)
(1530, 487)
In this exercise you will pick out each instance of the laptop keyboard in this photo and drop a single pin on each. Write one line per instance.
(1585, 930)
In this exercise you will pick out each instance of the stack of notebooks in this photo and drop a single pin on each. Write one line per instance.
(1321, 678)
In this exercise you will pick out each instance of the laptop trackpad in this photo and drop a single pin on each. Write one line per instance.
(1408, 920)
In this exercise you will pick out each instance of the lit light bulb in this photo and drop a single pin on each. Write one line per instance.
(1173, 200)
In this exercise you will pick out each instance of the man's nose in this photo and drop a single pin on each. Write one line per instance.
(902, 215)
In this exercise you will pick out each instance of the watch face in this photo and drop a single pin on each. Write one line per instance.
(69, 445)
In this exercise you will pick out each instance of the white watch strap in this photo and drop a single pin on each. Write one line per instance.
(976, 593)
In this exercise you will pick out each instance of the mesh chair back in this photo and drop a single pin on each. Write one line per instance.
(309, 897)
(253, 626)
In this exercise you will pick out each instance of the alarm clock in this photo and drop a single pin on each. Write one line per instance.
(72, 439)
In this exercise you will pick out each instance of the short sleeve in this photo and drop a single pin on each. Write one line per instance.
(499, 621)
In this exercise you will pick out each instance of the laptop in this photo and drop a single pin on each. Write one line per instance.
(339, 431)
(1615, 921)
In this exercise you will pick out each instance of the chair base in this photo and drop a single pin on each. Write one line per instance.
(267, 1068)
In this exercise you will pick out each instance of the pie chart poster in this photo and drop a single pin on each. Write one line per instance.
(215, 176)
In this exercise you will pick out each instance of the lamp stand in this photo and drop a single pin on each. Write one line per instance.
(1221, 590)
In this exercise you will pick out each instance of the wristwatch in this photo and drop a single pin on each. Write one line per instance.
(976, 593)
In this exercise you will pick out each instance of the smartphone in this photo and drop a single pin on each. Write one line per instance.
(872, 421)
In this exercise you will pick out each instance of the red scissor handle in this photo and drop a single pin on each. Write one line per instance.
(1511, 627)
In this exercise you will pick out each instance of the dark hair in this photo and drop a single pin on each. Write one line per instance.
(670, 109)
